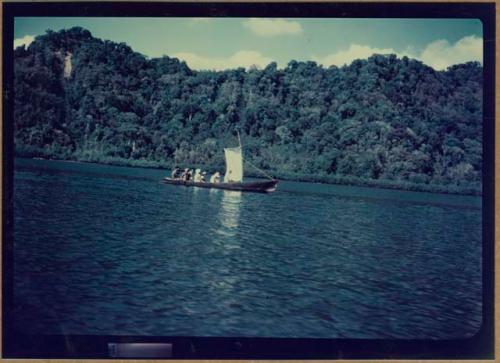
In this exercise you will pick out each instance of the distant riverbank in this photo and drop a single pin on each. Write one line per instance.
(326, 179)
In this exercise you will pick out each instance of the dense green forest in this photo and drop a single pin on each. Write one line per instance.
(384, 121)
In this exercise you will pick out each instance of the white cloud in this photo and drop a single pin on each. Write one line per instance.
(272, 27)
(26, 40)
(243, 58)
(439, 54)
(355, 51)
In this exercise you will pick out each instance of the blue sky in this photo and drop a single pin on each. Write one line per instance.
(221, 43)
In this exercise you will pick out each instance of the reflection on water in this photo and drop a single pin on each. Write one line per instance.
(220, 275)
(229, 212)
(226, 227)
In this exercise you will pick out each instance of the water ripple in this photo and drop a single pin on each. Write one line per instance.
(105, 250)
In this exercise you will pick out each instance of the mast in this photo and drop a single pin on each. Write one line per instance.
(239, 140)
(241, 153)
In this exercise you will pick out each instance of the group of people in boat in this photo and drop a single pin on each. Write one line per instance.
(197, 175)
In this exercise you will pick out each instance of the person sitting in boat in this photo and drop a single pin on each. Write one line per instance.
(197, 176)
(185, 175)
(176, 173)
(215, 178)
(203, 176)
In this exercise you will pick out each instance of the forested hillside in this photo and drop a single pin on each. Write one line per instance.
(382, 121)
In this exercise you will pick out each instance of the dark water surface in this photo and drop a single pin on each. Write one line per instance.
(110, 250)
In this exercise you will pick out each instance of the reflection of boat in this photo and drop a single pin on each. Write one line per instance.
(233, 179)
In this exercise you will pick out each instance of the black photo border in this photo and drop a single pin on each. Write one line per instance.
(480, 346)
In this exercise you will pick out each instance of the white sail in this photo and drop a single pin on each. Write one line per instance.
(234, 165)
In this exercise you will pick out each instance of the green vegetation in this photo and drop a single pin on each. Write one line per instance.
(384, 121)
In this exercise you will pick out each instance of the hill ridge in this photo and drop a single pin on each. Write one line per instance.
(379, 120)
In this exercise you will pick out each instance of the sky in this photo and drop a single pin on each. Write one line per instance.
(225, 43)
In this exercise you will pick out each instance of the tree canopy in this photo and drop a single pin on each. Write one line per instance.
(382, 119)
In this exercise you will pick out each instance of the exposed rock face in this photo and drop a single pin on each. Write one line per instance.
(67, 65)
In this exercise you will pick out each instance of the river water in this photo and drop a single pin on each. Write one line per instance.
(112, 251)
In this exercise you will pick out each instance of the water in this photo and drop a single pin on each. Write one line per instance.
(110, 250)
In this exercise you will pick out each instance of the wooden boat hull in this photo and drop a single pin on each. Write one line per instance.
(256, 187)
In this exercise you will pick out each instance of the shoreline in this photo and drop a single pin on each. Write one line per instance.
(328, 179)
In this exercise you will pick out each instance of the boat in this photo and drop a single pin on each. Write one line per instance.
(233, 179)
(258, 186)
